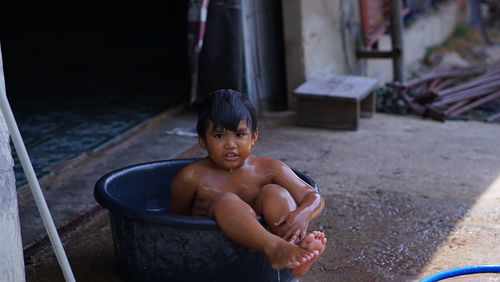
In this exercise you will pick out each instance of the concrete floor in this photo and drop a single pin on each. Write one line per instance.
(405, 197)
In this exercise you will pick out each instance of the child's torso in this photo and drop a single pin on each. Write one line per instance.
(245, 182)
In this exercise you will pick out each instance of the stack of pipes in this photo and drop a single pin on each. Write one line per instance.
(448, 94)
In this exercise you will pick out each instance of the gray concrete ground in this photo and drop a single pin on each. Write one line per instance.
(405, 197)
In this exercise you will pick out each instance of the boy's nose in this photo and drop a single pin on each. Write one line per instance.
(230, 143)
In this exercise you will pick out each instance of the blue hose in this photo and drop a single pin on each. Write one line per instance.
(461, 271)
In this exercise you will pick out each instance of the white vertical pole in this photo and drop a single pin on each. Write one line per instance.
(32, 180)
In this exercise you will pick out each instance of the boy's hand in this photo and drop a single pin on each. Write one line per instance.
(295, 226)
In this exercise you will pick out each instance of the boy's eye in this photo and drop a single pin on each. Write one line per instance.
(240, 134)
(219, 135)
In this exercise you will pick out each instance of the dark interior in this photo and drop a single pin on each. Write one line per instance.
(102, 54)
(99, 66)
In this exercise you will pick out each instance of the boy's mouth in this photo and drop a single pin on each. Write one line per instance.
(231, 156)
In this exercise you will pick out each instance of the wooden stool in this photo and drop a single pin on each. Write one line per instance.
(335, 101)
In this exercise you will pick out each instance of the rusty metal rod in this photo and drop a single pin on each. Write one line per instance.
(493, 117)
(430, 94)
(434, 113)
(456, 106)
(477, 103)
(417, 90)
(417, 108)
(470, 84)
(433, 84)
(494, 70)
(447, 74)
(492, 85)
(476, 94)
(417, 81)
(445, 83)
(424, 98)
(469, 93)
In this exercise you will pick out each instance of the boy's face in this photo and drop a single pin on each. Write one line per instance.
(229, 149)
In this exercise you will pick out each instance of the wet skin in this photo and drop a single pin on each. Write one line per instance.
(232, 185)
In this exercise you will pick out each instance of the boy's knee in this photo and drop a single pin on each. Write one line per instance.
(270, 193)
(224, 199)
(273, 189)
(227, 201)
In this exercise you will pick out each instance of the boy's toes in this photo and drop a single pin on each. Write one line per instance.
(307, 242)
(310, 256)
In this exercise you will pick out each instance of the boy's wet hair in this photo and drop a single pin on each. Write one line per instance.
(225, 108)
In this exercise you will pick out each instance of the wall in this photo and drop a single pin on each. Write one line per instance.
(294, 49)
(313, 40)
(11, 255)
(322, 36)
(264, 61)
(428, 30)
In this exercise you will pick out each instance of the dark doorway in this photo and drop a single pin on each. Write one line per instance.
(80, 73)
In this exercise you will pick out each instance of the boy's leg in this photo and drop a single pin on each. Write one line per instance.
(274, 202)
(238, 221)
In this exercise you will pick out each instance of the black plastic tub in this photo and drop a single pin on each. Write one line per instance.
(152, 245)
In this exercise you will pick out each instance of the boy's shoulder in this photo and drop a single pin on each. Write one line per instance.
(195, 167)
(191, 172)
(268, 163)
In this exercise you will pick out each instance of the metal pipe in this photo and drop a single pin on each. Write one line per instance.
(434, 113)
(424, 79)
(417, 108)
(476, 103)
(443, 84)
(397, 39)
(472, 93)
(456, 106)
(433, 84)
(481, 88)
(493, 117)
(470, 84)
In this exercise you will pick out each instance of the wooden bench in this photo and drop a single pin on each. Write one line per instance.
(335, 101)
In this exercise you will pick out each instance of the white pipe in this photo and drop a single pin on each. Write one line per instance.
(33, 181)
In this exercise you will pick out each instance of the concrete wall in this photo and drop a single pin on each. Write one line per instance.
(322, 36)
(313, 40)
(263, 47)
(294, 48)
(11, 255)
(428, 30)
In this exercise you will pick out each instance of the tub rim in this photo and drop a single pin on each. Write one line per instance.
(163, 217)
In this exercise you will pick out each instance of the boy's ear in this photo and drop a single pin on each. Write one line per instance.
(255, 136)
(202, 143)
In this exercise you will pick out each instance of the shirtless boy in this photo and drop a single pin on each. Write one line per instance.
(233, 186)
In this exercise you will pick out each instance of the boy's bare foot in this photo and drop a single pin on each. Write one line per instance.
(285, 254)
(314, 242)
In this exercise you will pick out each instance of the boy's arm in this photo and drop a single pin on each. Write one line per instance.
(309, 203)
(182, 192)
